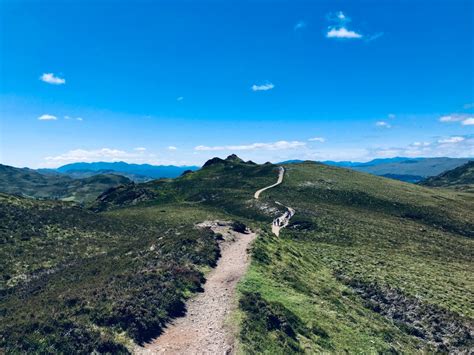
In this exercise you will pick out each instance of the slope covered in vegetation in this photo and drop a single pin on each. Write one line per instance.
(367, 264)
(74, 281)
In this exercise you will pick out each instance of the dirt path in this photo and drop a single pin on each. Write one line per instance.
(282, 221)
(281, 173)
(203, 329)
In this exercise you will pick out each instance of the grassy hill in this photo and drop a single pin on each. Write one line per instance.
(73, 281)
(29, 183)
(461, 178)
(366, 265)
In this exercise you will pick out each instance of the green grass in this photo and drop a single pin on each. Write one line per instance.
(70, 271)
(367, 264)
(357, 239)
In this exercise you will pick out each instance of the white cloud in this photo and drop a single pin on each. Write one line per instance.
(79, 119)
(139, 155)
(451, 140)
(300, 25)
(280, 145)
(50, 78)
(391, 116)
(451, 118)
(454, 146)
(339, 28)
(180, 98)
(264, 87)
(317, 139)
(383, 124)
(421, 144)
(342, 32)
(47, 117)
(465, 119)
(172, 147)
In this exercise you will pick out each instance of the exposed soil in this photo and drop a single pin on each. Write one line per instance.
(203, 330)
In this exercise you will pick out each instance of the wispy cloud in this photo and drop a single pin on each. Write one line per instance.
(50, 78)
(180, 98)
(73, 118)
(47, 117)
(317, 139)
(451, 140)
(468, 106)
(263, 87)
(280, 145)
(140, 149)
(172, 147)
(421, 144)
(451, 118)
(300, 25)
(383, 124)
(374, 36)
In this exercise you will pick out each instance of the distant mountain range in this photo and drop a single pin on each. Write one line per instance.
(400, 168)
(135, 172)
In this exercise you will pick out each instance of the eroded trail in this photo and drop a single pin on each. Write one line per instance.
(203, 330)
(282, 221)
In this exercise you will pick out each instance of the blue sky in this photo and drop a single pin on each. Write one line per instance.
(178, 82)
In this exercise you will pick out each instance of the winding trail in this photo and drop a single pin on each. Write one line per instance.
(282, 221)
(281, 173)
(203, 330)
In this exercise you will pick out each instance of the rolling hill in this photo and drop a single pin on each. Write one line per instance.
(30, 183)
(461, 178)
(367, 264)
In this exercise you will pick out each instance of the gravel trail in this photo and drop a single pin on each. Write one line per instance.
(203, 329)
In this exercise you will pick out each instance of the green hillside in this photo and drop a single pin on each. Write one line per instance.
(29, 183)
(367, 264)
(76, 282)
(461, 178)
